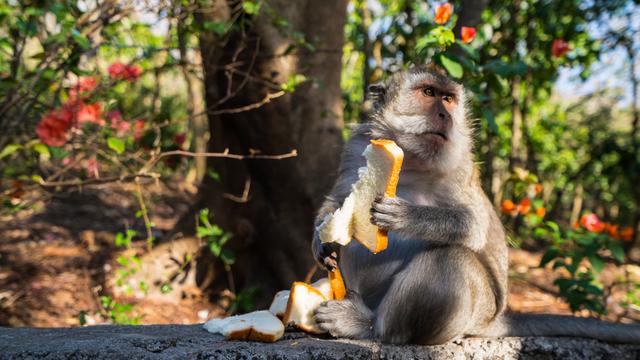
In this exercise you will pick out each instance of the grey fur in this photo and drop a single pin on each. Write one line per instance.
(444, 273)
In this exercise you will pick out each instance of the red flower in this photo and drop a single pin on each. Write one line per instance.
(116, 69)
(133, 72)
(592, 223)
(467, 34)
(559, 47)
(52, 129)
(84, 85)
(443, 13)
(138, 129)
(117, 123)
(120, 71)
(179, 139)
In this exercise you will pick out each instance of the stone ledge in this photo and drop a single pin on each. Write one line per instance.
(191, 341)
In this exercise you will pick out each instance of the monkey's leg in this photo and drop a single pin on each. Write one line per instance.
(440, 295)
(347, 318)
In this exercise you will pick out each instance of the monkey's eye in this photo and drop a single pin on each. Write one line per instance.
(447, 98)
(428, 91)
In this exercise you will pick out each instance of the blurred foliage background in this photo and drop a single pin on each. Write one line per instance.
(134, 99)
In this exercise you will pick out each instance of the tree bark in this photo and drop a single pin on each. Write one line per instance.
(272, 227)
(515, 158)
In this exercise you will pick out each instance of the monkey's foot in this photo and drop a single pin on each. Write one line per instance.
(348, 318)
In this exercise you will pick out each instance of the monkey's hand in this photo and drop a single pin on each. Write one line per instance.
(437, 224)
(390, 213)
(326, 254)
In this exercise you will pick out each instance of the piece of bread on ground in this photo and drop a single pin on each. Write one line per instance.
(352, 219)
(254, 326)
(303, 301)
(279, 304)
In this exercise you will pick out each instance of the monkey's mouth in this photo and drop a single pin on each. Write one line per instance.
(436, 134)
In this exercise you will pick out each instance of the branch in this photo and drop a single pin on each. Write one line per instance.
(143, 173)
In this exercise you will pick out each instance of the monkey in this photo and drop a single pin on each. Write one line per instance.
(443, 275)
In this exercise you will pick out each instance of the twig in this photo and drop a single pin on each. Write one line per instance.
(224, 154)
(70, 183)
(245, 193)
(256, 105)
(145, 215)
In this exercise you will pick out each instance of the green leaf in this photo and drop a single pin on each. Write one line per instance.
(41, 149)
(596, 262)
(617, 251)
(116, 144)
(81, 40)
(551, 254)
(227, 257)
(471, 52)
(219, 28)
(251, 7)
(553, 226)
(491, 120)
(453, 67)
(215, 248)
(293, 81)
(9, 149)
(202, 231)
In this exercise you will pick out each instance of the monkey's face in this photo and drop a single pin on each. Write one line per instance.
(426, 117)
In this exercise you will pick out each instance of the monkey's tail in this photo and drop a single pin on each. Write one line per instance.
(560, 325)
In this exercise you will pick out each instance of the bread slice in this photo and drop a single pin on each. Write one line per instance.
(260, 326)
(303, 301)
(279, 304)
(352, 219)
(324, 286)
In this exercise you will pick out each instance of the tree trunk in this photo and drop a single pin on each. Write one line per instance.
(515, 158)
(272, 226)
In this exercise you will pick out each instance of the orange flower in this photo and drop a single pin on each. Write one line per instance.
(592, 223)
(541, 211)
(612, 230)
(138, 129)
(537, 188)
(524, 206)
(627, 233)
(559, 47)
(90, 113)
(508, 206)
(443, 13)
(467, 34)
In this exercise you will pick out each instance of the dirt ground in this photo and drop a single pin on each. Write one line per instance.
(56, 260)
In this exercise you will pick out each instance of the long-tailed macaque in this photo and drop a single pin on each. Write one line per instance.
(444, 273)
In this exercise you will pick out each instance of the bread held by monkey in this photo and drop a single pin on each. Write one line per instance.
(352, 219)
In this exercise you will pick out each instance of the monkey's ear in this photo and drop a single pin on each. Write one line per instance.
(375, 94)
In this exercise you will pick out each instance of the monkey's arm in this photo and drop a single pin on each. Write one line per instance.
(440, 225)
